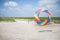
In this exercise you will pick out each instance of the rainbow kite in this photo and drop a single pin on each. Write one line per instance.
(38, 21)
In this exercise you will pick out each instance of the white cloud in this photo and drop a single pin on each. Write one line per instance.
(10, 4)
(44, 3)
(48, 1)
(11, 8)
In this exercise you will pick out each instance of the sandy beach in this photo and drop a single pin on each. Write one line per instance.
(28, 30)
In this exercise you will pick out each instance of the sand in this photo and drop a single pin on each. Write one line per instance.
(28, 30)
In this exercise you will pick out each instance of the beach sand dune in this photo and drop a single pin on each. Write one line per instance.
(28, 30)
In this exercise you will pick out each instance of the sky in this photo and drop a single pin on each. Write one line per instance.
(27, 8)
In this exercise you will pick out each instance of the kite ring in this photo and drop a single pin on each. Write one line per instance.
(38, 21)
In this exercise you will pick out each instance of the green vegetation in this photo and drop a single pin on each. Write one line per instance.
(55, 18)
(12, 19)
(8, 19)
(25, 18)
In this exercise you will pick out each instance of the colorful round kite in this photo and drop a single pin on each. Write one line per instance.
(38, 21)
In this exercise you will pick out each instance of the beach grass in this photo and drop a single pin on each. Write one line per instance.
(7, 19)
(12, 19)
(42, 18)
